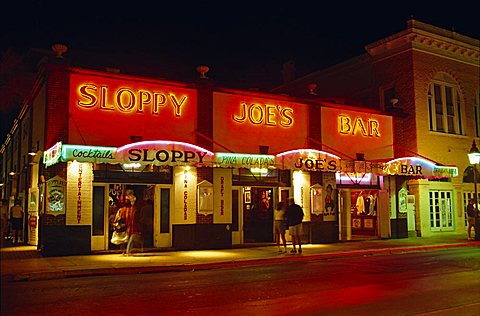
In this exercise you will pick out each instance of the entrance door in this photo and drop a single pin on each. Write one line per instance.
(120, 199)
(441, 218)
(258, 215)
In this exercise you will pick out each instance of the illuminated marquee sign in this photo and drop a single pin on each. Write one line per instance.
(52, 155)
(165, 153)
(309, 160)
(413, 166)
(128, 100)
(232, 160)
(264, 114)
(88, 153)
(358, 126)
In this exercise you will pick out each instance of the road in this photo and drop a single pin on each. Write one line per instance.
(443, 282)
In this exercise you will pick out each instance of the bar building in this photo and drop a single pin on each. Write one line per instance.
(208, 164)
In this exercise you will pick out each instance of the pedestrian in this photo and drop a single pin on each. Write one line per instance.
(294, 215)
(4, 218)
(131, 214)
(280, 225)
(16, 215)
(471, 214)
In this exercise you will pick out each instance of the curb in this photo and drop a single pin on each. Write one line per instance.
(61, 274)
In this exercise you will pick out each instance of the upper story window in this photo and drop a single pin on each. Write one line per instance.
(476, 114)
(444, 105)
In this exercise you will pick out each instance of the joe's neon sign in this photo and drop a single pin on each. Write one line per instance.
(264, 114)
(128, 100)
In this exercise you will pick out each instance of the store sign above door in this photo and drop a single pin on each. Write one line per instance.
(309, 160)
(160, 153)
(418, 167)
(233, 160)
(88, 154)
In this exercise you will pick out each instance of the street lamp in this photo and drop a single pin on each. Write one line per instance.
(474, 157)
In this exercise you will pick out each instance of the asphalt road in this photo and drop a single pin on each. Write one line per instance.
(444, 282)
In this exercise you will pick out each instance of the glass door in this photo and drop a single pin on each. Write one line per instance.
(441, 217)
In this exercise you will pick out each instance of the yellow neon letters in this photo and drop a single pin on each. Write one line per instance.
(370, 128)
(270, 115)
(127, 100)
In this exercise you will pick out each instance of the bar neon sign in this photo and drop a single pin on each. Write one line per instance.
(347, 126)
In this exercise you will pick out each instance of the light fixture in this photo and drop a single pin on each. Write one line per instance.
(474, 154)
(12, 173)
(474, 157)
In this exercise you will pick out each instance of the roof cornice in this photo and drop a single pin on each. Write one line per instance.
(430, 39)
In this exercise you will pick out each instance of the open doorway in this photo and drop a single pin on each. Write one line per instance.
(258, 214)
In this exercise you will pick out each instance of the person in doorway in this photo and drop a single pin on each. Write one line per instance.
(130, 214)
(279, 226)
(471, 214)
(294, 215)
(16, 215)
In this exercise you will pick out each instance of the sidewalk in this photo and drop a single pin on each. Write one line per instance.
(23, 263)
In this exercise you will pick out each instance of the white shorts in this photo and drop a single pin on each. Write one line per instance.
(296, 230)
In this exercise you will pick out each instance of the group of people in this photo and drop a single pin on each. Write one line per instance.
(12, 222)
(288, 217)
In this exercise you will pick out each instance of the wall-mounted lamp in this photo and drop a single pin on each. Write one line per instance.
(12, 173)
(393, 101)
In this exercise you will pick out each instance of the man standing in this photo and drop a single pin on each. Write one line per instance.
(294, 215)
(471, 214)
(16, 214)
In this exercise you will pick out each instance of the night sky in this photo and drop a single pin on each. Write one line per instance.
(244, 43)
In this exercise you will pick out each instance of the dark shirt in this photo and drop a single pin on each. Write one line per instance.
(294, 215)
(470, 210)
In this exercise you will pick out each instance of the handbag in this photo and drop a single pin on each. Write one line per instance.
(120, 226)
(119, 238)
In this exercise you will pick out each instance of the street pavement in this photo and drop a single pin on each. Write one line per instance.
(24, 263)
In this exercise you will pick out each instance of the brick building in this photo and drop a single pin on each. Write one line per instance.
(429, 79)
(208, 164)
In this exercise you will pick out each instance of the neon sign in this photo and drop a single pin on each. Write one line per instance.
(264, 114)
(309, 160)
(164, 153)
(127, 100)
(233, 160)
(414, 166)
(347, 126)
(88, 153)
(52, 155)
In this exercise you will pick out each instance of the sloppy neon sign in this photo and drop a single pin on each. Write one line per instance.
(264, 114)
(368, 128)
(127, 100)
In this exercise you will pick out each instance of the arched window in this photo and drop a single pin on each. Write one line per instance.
(444, 105)
(468, 175)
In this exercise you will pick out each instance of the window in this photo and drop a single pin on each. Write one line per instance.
(476, 115)
(388, 95)
(444, 106)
